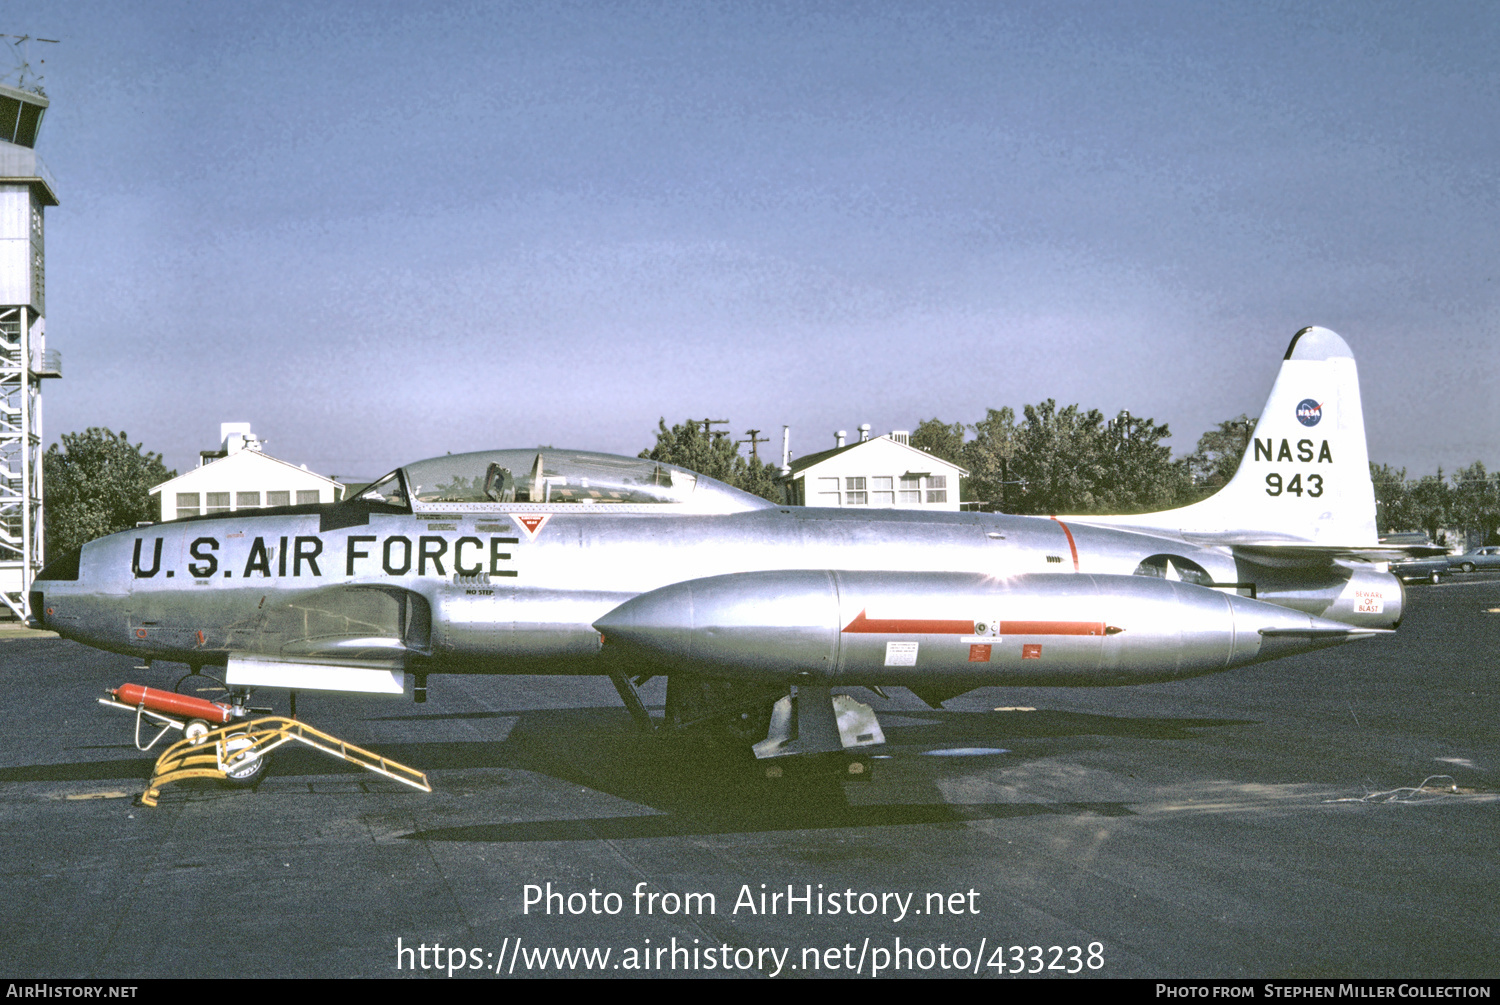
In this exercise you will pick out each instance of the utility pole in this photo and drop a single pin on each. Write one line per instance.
(708, 425)
(753, 433)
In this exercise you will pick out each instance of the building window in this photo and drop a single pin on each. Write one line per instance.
(911, 489)
(187, 504)
(937, 488)
(854, 492)
(881, 493)
(218, 502)
(828, 492)
(247, 500)
(307, 496)
(278, 498)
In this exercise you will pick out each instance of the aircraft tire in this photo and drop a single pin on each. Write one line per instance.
(245, 773)
(733, 714)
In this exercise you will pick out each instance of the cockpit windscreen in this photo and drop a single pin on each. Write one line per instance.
(385, 490)
(547, 476)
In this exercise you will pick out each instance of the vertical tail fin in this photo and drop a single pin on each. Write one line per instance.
(1305, 475)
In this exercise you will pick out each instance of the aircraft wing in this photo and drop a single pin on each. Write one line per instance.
(1252, 545)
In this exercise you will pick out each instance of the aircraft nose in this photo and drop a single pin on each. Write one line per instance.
(63, 569)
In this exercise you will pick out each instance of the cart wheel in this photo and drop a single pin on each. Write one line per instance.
(195, 731)
(243, 767)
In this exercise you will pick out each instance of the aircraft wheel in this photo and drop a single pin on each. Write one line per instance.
(195, 731)
(243, 771)
(752, 724)
(731, 713)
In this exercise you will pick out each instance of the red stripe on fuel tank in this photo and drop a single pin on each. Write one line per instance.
(862, 625)
(1051, 628)
(1071, 546)
(908, 626)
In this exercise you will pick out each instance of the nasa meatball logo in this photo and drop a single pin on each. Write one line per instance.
(1309, 412)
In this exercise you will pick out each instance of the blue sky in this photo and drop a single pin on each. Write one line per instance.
(380, 232)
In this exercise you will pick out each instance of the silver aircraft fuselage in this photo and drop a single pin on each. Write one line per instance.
(642, 565)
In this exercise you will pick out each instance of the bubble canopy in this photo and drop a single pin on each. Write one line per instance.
(550, 480)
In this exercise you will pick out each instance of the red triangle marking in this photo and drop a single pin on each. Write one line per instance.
(532, 522)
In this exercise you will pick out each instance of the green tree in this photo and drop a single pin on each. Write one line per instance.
(940, 440)
(1137, 471)
(1431, 502)
(1218, 453)
(1060, 457)
(1394, 510)
(95, 485)
(1475, 500)
(1067, 460)
(989, 456)
(716, 456)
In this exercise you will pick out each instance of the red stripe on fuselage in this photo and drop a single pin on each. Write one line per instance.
(1071, 546)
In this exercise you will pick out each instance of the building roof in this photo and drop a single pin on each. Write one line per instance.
(802, 463)
(237, 459)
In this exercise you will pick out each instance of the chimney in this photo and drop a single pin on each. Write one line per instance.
(786, 450)
(864, 431)
(838, 437)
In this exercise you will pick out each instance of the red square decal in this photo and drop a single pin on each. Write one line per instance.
(1031, 651)
(979, 653)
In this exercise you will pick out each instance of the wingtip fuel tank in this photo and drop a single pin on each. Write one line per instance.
(881, 628)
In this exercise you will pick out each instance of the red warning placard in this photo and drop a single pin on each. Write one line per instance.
(979, 653)
(531, 523)
(1031, 651)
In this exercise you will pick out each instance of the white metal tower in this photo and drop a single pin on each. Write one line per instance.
(26, 189)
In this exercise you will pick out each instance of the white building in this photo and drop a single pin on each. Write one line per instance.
(240, 475)
(882, 472)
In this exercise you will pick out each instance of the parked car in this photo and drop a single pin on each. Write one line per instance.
(1430, 569)
(1479, 558)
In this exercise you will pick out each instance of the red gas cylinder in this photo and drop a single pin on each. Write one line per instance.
(171, 703)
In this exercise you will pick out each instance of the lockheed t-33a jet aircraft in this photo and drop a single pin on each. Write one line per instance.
(544, 561)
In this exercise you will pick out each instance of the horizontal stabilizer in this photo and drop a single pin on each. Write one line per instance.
(1301, 551)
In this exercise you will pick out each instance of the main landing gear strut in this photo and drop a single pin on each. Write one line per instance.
(797, 729)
